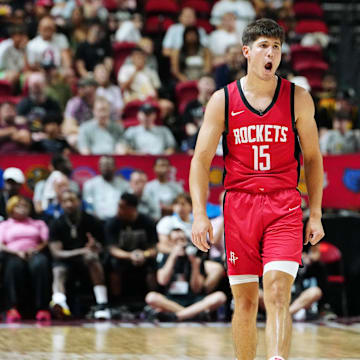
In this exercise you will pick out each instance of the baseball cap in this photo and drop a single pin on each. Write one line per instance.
(13, 173)
(147, 108)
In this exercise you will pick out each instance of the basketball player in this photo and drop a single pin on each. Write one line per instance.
(261, 117)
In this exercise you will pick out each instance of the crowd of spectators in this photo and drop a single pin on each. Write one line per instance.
(70, 91)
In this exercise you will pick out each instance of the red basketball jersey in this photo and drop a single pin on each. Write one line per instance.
(261, 149)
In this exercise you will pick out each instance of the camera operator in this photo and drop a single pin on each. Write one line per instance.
(182, 274)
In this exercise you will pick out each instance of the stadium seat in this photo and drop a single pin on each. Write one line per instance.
(305, 26)
(129, 116)
(167, 8)
(121, 51)
(185, 92)
(308, 10)
(205, 24)
(301, 53)
(202, 7)
(5, 88)
(314, 71)
(331, 255)
(110, 5)
(157, 24)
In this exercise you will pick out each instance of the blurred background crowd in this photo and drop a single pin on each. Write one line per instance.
(131, 77)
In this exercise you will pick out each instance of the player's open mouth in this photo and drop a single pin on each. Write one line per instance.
(268, 66)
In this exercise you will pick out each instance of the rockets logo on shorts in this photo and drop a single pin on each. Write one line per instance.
(232, 257)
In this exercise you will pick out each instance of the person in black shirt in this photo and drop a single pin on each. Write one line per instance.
(74, 244)
(95, 50)
(131, 239)
(182, 274)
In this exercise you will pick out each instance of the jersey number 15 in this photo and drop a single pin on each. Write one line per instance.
(261, 157)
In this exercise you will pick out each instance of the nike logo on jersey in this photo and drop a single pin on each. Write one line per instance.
(294, 208)
(237, 113)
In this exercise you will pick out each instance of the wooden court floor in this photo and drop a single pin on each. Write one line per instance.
(147, 341)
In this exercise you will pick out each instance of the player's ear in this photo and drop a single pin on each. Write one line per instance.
(246, 51)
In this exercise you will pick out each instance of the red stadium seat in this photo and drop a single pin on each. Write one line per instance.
(313, 71)
(121, 51)
(202, 7)
(110, 5)
(309, 26)
(167, 8)
(5, 88)
(205, 24)
(157, 24)
(301, 53)
(129, 116)
(185, 92)
(308, 10)
(331, 255)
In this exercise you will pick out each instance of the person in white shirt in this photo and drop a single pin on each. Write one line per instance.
(129, 30)
(173, 39)
(12, 55)
(103, 191)
(136, 80)
(48, 46)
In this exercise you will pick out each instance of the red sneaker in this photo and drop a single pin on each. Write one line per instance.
(43, 315)
(13, 315)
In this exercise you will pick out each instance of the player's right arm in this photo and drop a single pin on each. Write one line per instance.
(207, 141)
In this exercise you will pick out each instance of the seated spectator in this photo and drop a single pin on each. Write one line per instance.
(51, 139)
(243, 10)
(182, 273)
(342, 139)
(182, 219)
(233, 68)
(44, 192)
(192, 60)
(13, 181)
(174, 36)
(22, 239)
(79, 109)
(194, 113)
(12, 55)
(147, 205)
(109, 91)
(33, 108)
(49, 46)
(223, 37)
(130, 30)
(14, 137)
(101, 135)
(137, 81)
(95, 50)
(162, 189)
(131, 239)
(75, 244)
(147, 137)
(103, 191)
(309, 287)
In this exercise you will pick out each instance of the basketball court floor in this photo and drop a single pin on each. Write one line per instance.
(165, 341)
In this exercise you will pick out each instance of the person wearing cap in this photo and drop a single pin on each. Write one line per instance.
(48, 45)
(101, 135)
(23, 239)
(13, 181)
(12, 55)
(147, 137)
(79, 109)
(14, 137)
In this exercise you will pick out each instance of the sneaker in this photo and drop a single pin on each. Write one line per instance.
(300, 315)
(43, 315)
(13, 315)
(166, 316)
(102, 312)
(60, 311)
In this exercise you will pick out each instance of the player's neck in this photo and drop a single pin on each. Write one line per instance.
(253, 84)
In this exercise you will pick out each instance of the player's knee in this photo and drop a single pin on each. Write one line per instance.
(246, 305)
(277, 294)
(152, 298)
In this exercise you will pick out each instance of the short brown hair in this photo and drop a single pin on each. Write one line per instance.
(262, 27)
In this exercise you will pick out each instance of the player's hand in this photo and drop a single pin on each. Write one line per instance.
(314, 231)
(200, 228)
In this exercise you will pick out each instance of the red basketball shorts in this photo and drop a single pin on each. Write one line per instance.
(260, 228)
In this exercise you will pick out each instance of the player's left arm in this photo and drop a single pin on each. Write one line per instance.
(313, 165)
